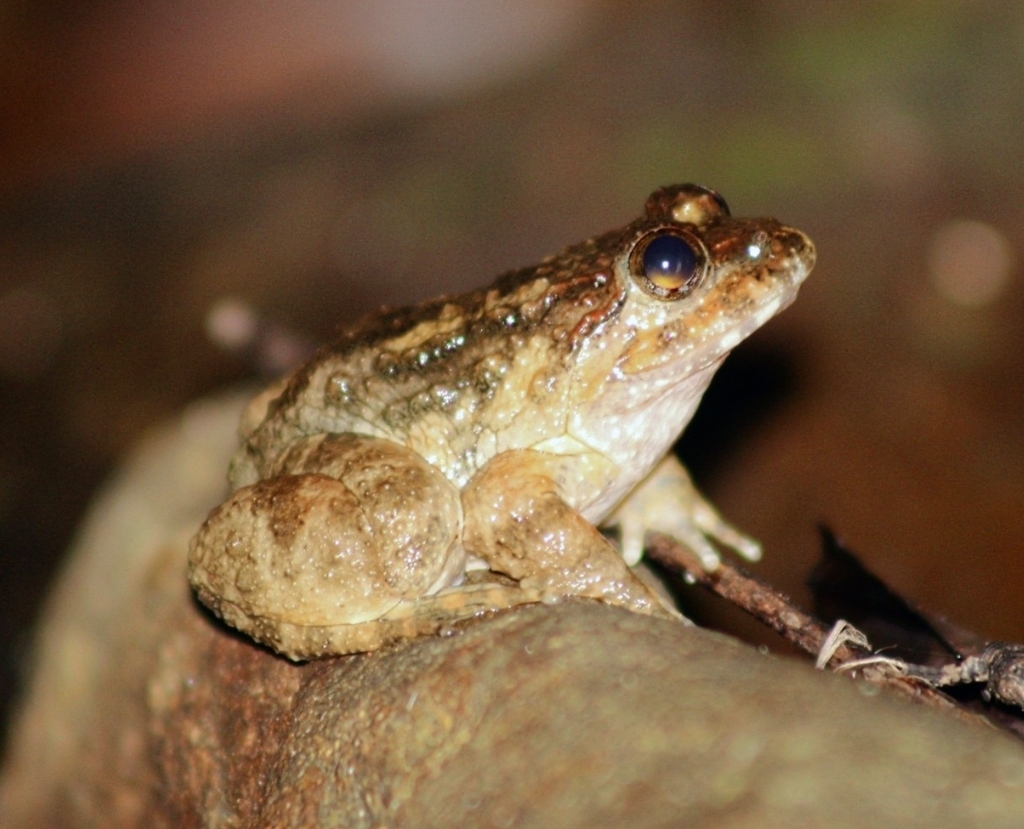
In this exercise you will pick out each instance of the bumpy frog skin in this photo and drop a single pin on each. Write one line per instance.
(440, 461)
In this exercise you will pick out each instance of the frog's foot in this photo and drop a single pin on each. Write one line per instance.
(517, 520)
(666, 501)
(425, 616)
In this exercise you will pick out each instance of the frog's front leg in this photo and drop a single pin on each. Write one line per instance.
(666, 501)
(347, 529)
(519, 520)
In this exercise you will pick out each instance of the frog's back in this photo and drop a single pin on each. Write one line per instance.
(450, 377)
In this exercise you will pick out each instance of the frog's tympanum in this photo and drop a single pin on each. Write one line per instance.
(444, 460)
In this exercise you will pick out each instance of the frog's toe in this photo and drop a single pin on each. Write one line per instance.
(710, 524)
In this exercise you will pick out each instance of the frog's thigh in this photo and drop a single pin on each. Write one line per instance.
(517, 520)
(413, 511)
(666, 501)
(349, 528)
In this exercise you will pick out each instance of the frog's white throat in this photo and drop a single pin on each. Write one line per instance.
(635, 421)
(634, 417)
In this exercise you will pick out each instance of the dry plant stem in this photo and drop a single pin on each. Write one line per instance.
(1000, 667)
(778, 612)
(764, 603)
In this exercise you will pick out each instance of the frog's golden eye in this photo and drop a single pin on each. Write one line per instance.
(668, 264)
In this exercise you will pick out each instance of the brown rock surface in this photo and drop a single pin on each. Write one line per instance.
(146, 712)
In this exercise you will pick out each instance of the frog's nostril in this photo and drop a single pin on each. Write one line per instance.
(757, 244)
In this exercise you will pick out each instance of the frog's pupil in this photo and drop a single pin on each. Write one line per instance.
(669, 256)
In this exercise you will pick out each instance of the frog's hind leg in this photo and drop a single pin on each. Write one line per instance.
(346, 529)
(517, 520)
(427, 616)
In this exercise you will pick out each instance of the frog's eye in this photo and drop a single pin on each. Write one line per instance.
(668, 264)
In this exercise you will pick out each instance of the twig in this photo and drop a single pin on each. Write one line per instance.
(838, 648)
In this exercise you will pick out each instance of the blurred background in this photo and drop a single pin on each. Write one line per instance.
(176, 176)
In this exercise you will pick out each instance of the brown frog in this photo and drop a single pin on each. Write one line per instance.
(439, 461)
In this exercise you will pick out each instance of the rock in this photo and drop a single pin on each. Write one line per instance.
(146, 711)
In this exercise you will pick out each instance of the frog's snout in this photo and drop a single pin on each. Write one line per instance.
(801, 249)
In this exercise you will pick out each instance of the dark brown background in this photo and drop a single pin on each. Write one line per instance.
(157, 158)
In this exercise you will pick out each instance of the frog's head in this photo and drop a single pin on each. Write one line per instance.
(692, 283)
(697, 281)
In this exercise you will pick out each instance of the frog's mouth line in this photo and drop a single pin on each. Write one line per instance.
(748, 326)
(709, 352)
(786, 290)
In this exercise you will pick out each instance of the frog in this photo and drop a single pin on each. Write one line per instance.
(472, 454)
